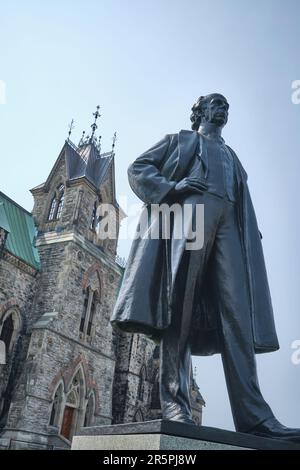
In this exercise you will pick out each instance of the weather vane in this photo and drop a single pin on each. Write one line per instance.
(71, 127)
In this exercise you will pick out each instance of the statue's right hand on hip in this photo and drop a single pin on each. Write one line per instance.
(189, 185)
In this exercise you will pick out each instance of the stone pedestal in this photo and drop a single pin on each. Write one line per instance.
(169, 435)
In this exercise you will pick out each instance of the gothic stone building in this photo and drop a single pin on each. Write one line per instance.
(62, 366)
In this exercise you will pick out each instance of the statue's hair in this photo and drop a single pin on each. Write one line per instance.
(198, 109)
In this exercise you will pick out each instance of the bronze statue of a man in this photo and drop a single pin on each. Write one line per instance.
(212, 299)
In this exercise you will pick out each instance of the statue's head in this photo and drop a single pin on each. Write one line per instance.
(211, 108)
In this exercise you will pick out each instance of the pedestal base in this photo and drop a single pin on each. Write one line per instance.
(170, 435)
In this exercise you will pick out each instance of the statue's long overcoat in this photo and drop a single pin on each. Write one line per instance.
(145, 295)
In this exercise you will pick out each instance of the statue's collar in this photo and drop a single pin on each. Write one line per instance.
(213, 137)
(185, 133)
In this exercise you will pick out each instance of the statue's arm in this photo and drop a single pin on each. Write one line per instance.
(144, 174)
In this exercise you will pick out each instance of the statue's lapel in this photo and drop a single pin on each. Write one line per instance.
(187, 144)
(241, 173)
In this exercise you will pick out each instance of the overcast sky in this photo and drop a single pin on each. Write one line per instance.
(145, 63)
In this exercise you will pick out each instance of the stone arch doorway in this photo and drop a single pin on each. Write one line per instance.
(73, 410)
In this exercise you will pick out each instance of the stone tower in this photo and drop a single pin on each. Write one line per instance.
(64, 367)
(68, 357)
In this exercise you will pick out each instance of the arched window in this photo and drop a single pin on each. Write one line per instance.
(7, 332)
(56, 406)
(91, 300)
(89, 411)
(138, 417)
(94, 217)
(85, 309)
(52, 209)
(60, 203)
(9, 329)
(92, 314)
(96, 214)
(57, 203)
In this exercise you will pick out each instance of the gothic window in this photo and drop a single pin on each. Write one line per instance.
(94, 217)
(61, 188)
(56, 407)
(91, 316)
(7, 332)
(89, 411)
(9, 329)
(138, 417)
(57, 203)
(96, 214)
(85, 310)
(52, 209)
(89, 309)
(60, 204)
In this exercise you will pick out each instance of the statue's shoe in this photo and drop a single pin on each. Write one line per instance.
(180, 418)
(275, 430)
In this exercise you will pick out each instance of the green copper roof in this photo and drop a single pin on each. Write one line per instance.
(3, 219)
(21, 237)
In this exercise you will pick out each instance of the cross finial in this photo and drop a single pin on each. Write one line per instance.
(94, 125)
(114, 139)
(71, 127)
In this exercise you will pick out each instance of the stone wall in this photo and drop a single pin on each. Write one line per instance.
(57, 347)
(17, 286)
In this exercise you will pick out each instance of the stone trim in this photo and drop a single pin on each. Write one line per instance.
(94, 268)
(52, 237)
(20, 264)
(84, 345)
(38, 398)
(9, 304)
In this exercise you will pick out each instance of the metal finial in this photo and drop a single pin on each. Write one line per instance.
(82, 139)
(98, 145)
(94, 125)
(114, 139)
(71, 127)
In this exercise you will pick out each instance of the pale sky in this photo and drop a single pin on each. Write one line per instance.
(145, 63)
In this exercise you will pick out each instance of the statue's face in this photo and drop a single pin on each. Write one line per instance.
(217, 111)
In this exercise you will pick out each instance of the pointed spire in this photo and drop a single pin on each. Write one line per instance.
(70, 127)
(92, 139)
(114, 139)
